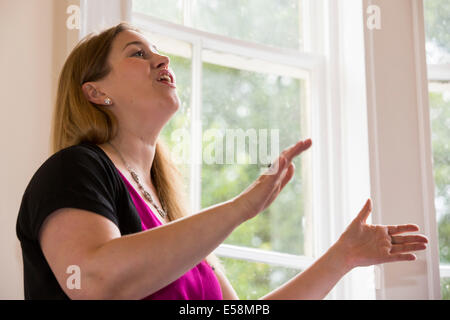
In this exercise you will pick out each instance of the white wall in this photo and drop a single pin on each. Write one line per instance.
(34, 42)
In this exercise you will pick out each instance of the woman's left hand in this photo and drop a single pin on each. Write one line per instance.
(363, 244)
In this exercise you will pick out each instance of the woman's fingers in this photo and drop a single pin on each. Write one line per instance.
(294, 150)
(264, 191)
(401, 257)
(365, 211)
(277, 167)
(286, 157)
(409, 239)
(282, 180)
(285, 178)
(287, 175)
(401, 244)
(392, 230)
(402, 248)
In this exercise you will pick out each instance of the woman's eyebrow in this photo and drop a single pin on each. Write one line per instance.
(139, 43)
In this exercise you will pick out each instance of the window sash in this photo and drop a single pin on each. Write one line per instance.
(225, 44)
(438, 72)
(444, 270)
(269, 257)
(200, 41)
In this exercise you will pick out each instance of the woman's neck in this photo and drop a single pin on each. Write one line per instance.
(137, 152)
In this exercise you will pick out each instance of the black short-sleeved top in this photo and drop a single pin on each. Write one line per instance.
(83, 177)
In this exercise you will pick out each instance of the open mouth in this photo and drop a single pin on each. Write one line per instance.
(166, 78)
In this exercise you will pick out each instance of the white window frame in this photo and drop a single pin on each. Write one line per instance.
(339, 187)
(199, 41)
(440, 72)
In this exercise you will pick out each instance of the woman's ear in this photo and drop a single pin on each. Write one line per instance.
(93, 94)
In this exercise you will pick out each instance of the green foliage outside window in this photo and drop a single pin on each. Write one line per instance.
(440, 123)
(437, 23)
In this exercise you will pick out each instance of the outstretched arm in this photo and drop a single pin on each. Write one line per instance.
(360, 245)
(117, 267)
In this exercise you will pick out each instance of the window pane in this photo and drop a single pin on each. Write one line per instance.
(275, 23)
(437, 21)
(170, 10)
(440, 125)
(252, 280)
(445, 288)
(245, 102)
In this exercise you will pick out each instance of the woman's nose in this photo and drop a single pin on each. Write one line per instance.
(160, 61)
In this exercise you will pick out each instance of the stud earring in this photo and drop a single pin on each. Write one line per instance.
(108, 101)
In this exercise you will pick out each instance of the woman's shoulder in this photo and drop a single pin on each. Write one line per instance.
(79, 163)
(83, 150)
(78, 176)
(85, 155)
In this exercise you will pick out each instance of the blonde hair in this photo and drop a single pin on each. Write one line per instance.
(76, 119)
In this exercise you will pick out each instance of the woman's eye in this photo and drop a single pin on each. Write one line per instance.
(141, 53)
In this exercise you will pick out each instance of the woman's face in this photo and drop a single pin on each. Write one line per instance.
(134, 86)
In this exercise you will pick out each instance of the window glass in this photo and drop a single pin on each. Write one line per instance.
(275, 23)
(437, 23)
(170, 10)
(268, 112)
(445, 288)
(440, 125)
(253, 280)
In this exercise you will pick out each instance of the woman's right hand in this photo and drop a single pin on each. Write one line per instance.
(261, 193)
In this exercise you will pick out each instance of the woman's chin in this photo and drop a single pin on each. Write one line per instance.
(175, 105)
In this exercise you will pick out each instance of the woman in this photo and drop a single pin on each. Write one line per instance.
(94, 224)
